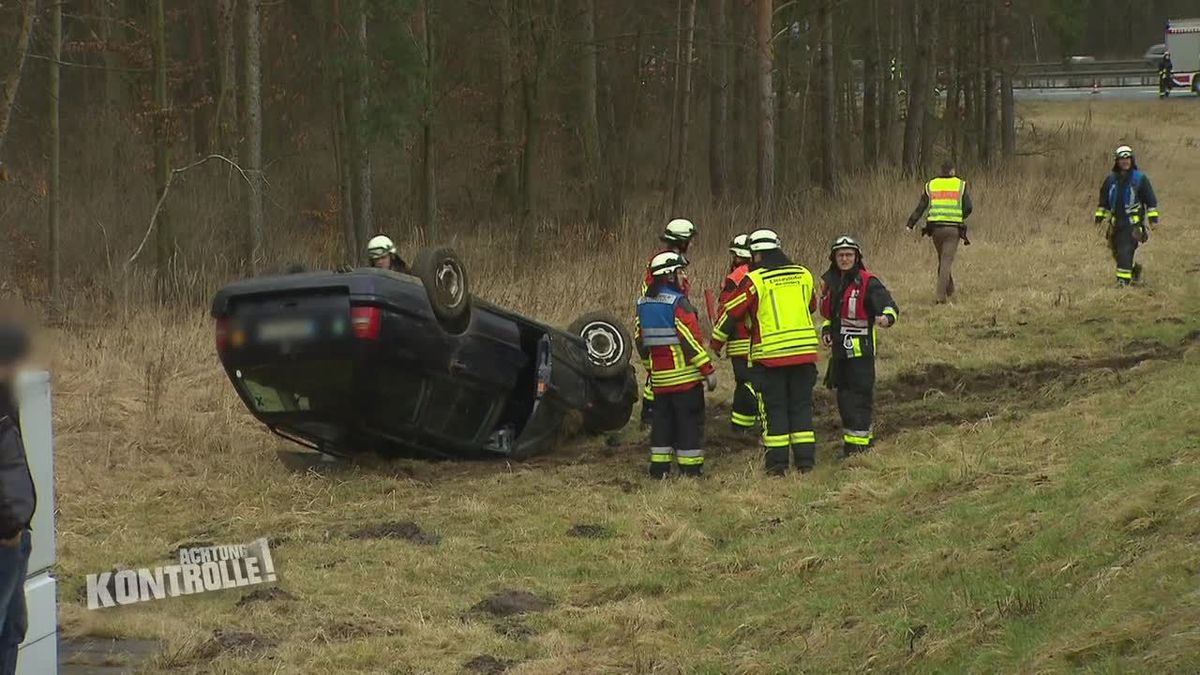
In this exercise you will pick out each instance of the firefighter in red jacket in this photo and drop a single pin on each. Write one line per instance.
(853, 303)
(744, 413)
(777, 298)
(667, 334)
(676, 238)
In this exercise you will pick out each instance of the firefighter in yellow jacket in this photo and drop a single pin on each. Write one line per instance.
(777, 298)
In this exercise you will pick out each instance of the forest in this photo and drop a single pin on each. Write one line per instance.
(186, 142)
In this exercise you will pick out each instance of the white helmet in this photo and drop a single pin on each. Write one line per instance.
(680, 229)
(1123, 151)
(739, 246)
(666, 263)
(380, 246)
(764, 240)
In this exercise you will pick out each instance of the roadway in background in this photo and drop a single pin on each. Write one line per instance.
(1103, 94)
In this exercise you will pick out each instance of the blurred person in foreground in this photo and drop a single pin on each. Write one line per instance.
(17, 500)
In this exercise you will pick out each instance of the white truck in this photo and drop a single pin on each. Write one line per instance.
(1183, 41)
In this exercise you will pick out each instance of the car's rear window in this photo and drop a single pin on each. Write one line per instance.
(321, 386)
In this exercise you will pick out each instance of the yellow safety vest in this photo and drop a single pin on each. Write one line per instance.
(784, 320)
(945, 200)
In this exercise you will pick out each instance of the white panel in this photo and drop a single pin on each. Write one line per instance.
(33, 398)
(40, 598)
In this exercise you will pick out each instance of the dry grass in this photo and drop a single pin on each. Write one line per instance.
(1042, 526)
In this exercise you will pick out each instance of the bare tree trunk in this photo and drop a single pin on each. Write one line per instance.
(1008, 123)
(429, 208)
(329, 25)
(990, 103)
(114, 84)
(829, 135)
(507, 170)
(673, 129)
(55, 147)
(252, 135)
(887, 108)
(718, 117)
(929, 123)
(766, 107)
(918, 94)
(685, 109)
(600, 207)
(742, 29)
(360, 155)
(225, 120)
(162, 170)
(533, 63)
(950, 116)
(870, 121)
(12, 80)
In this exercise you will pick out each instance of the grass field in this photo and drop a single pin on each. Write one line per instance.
(1033, 504)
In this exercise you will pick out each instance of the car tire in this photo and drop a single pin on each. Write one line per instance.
(444, 276)
(609, 346)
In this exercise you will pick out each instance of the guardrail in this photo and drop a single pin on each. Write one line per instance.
(1126, 73)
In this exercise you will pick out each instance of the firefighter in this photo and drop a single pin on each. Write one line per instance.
(1165, 73)
(667, 334)
(744, 413)
(381, 252)
(675, 238)
(776, 296)
(853, 302)
(949, 204)
(1128, 203)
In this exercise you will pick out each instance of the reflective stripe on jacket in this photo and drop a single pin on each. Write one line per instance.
(945, 199)
(668, 335)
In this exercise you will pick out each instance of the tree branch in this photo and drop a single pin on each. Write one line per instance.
(163, 197)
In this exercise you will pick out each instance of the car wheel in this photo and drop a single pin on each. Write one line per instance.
(445, 279)
(608, 343)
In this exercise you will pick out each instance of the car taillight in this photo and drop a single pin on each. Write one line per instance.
(222, 334)
(364, 322)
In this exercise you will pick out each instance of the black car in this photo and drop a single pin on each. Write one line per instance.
(373, 360)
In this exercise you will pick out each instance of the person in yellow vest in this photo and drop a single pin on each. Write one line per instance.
(777, 298)
(744, 412)
(949, 204)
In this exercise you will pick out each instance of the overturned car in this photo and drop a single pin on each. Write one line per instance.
(371, 360)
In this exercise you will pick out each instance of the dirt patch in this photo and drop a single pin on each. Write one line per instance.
(513, 629)
(233, 642)
(940, 393)
(405, 529)
(509, 603)
(487, 665)
(264, 595)
(1169, 319)
(588, 531)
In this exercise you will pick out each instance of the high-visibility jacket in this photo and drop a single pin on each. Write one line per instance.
(739, 341)
(946, 199)
(850, 317)
(779, 302)
(1137, 199)
(667, 333)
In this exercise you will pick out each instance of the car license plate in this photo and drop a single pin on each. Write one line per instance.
(289, 329)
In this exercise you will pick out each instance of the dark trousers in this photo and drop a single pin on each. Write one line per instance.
(14, 563)
(745, 402)
(854, 380)
(787, 415)
(677, 432)
(1124, 244)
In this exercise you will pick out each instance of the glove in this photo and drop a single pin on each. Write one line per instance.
(884, 320)
(826, 339)
(1144, 233)
(1099, 219)
(711, 380)
(343, 269)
